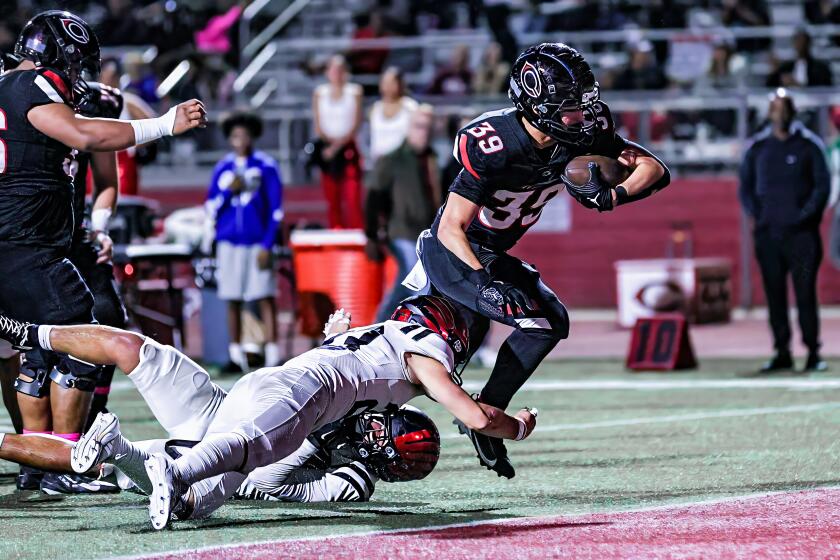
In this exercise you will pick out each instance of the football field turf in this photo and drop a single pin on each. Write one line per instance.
(727, 456)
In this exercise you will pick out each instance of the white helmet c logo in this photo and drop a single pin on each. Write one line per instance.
(530, 79)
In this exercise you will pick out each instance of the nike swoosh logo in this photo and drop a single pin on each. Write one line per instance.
(119, 456)
(490, 462)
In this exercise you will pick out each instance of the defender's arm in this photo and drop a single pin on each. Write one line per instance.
(485, 419)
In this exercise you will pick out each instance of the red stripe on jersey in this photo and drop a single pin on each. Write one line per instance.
(60, 84)
(465, 159)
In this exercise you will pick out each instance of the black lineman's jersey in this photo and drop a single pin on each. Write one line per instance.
(35, 191)
(510, 179)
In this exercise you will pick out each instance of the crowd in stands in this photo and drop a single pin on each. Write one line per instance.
(163, 32)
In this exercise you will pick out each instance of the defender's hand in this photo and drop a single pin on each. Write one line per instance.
(595, 193)
(529, 417)
(189, 115)
(338, 323)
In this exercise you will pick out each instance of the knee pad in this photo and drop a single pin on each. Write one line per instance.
(73, 373)
(36, 364)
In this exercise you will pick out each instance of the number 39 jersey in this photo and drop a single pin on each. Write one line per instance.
(35, 191)
(510, 179)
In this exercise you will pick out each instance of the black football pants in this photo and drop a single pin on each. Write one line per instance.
(537, 331)
(797, 254)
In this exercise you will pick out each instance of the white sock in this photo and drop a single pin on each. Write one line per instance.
(216, 454)
(272, 354)
(44, 336)
(237, 355)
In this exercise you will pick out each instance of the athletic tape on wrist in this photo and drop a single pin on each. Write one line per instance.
(147, 130)
(523, 427)
(100, 219)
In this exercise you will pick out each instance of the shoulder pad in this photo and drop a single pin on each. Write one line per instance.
(54, 84)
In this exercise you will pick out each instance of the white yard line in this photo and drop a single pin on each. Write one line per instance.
(703, 415)
(665, 507)
(670, 384)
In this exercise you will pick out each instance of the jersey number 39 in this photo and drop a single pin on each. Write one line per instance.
(490, 144)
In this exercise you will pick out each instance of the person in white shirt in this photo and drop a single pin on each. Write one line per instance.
(390, 116)
(337, 110)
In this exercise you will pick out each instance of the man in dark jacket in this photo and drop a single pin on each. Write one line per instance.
(403, 193)
(784, 189)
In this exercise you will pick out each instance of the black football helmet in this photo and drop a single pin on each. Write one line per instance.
(99, 101)
(61, 41)
(550, 79)
(399, 444)
(439, 315)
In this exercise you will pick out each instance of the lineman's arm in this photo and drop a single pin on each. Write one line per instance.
(60, 122)
(105, 180)
(485, 419)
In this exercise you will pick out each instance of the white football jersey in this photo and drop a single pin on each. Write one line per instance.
(372, 360)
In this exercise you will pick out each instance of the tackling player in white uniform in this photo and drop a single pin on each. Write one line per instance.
(340, 462)
(269, 413)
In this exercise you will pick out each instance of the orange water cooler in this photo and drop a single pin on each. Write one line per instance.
(333, 271)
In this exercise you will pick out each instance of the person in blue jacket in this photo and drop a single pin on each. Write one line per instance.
(245, 201)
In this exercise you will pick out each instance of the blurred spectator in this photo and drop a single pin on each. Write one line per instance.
(366, 60)
(725, 69)
(498, 13)
(747, 13)
(133, 108)
(121, 26)
(390, 116)
(454, 78)
(802, 71)
(337, 110)
(820, 12)
(139, 78)
(643, 72)
(784, 190)
(403, 195)
(493, 73)
(245, 204)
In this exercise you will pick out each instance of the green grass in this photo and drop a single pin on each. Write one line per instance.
(558, 471)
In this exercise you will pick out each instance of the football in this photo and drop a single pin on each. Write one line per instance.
(612, 170)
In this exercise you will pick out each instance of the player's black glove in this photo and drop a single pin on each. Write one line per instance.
(500, 299)
(595, 193)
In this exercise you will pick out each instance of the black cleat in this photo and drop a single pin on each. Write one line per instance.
(29, 479)
(16, 332)
(815, 364)
(492, 452)
(231, 368)
(58, 483)
(781, 362)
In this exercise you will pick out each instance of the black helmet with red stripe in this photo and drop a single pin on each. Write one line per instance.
(399, 444)
(550, 79)
(439, 315)
(62, 41)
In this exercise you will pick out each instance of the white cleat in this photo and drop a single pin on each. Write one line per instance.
(97, 444)
(164, 496)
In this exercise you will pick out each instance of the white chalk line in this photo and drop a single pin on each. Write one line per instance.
(702, 415)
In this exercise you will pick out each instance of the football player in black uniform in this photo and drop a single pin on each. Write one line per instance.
(38, 128)
(92, 248)
(513, 162)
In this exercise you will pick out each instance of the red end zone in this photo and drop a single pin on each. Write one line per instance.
(802, 524)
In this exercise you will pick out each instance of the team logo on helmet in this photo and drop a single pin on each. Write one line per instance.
(75, 30)
(530, 79)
